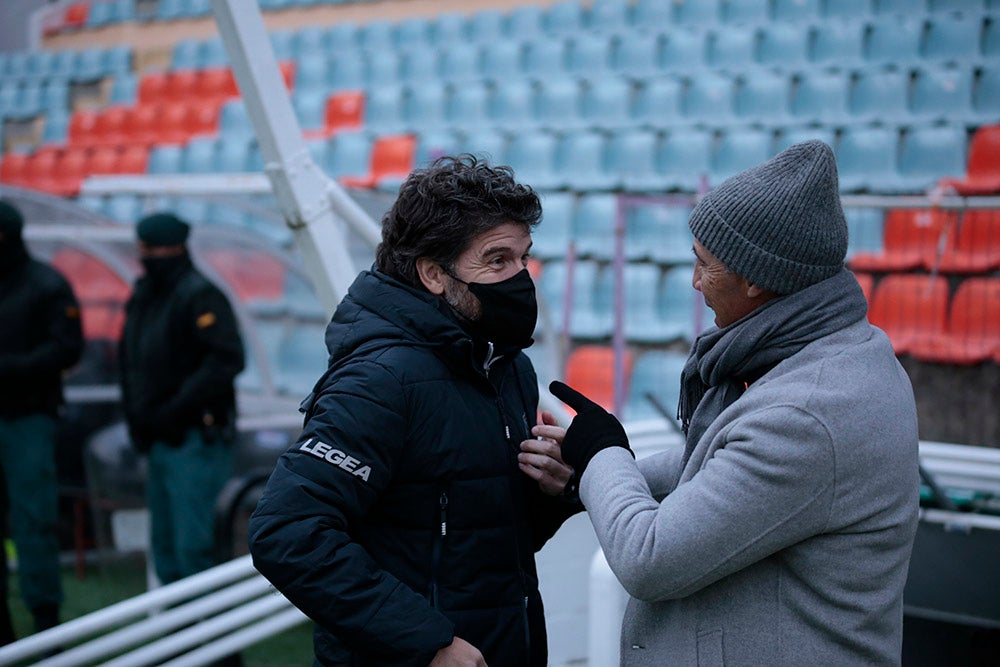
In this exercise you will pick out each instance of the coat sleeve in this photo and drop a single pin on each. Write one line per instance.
(215, 336)
(62, 346)
(320, 490)
(770, 486)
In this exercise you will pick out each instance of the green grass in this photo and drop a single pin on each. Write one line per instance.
(105, 584)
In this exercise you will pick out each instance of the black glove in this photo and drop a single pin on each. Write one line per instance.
(592, 430)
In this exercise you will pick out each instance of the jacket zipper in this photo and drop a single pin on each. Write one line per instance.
(438, 545)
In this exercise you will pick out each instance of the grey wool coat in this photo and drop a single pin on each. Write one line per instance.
(786, 536)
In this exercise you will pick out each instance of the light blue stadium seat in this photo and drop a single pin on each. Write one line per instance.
(233, 155)
(589, 54)
(880, 95)
(631, 160)
(169, 10)
(310, 40)
(708, 99)
(197, 8)
(234, 121)
(592, 316)
(795, 135)
(953, 38)
(17, 64)
(684, 159)
(658, 102)
(837, 43)
(311, 72)
(213, 53)
(199, 156)
(447, 29)
(697, 13)
(512, 103)
(942, 94)
(931, 153)
(986, 95)
(419, 65)
(552, 236)
(656, 372)
(487, 26)
(500, 59)
(55, 95)
(558, 103)
(124, 89)
(564, 17)
(424, 106)
(226, 214)
(746, 11)
(524, 22)
(432, 144)
(93, 203)
(89, 64)
(342, 37)
(459, 62)
(763, 97)
(467, 104)
(100, 14)
(646, 13)
(56, 126)
(412, 33)
(376, 36)
(318, 151)
(581, 161)
(903, 7)
(821, 97)
(783, 45)
(63, 64)
(683, 51)
(991, 40)
(39, 64)
(551, 292)
(739, 149)
(683, 313)
(29, 101)
(594, 225)
(117, 60)
(636, 53)
(866, 159)
(488, 144)
(864, 229)
(606, 102)
(10, 91)
(608, 16)
(532, 155)
(852, 10)
(282, 42)
(544, 56)
(165, 159)
(796, 10)
(384, 109)
(381, 68)
(893, 40)
(658, 232)
(348, 154)
(640, 287)
(964, 6)
(310, 107)
(346, 71)
(731, 47)
(123, 208)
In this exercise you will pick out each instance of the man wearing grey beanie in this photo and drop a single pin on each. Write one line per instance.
(782, 532)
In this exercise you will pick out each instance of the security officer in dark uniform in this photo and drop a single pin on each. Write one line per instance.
(180, 353)
(40, 337)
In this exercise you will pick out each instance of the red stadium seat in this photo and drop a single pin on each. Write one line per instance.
(174, 126)
(109, 127)
(102, 292)
(70, 169)
(253, 275)
(345, 110)
(983, 170)
(153, 88)
(104, 160)
(181, 85)
(973, 329)
(142, 125)
(134, 160)
(12, 168)
(909, 307)
(82, 128)
(40, 171)
(590, 369)
(392, 158)
(909, 235)
(972, 244)
(202, 117)
(216, 83)
(76, 15)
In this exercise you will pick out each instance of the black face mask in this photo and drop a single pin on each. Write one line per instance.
(508, 310)
(160, 269)
(12, 252)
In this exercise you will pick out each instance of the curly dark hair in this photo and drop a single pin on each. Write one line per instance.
(440, 210)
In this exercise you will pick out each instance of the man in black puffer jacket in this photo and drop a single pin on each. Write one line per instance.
(40, 337)
(405, 519)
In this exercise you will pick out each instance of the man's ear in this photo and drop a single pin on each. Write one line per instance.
(431, 275)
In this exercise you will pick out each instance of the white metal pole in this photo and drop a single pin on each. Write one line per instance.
(301, 189)
(606, 609)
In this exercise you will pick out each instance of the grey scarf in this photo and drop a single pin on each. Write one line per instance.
(723, 360)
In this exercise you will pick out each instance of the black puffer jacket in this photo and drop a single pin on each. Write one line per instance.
(40, 335)
(400, 519)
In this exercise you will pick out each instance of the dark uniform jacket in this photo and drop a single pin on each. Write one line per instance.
(40, 336)
(180, 352)
(400, 518)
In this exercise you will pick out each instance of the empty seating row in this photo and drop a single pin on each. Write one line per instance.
(33, 98)
(61, 171)
(146, 124)
(924, 320)
(87, 64)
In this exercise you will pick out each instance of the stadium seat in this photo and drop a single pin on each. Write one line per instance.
(419, 66)
(821, 97)
(931, 153)
(459, 62)
(837, 43)
(893, 40)
(657, 102)
(697, 13)
(102, 292)
(141, 125)
(153, 87)
(864, 230)
(788, 136)
(487, 26)
(708, 99)
(124, 89)
(683, 313)
(564, 17)
(902, 7)
(658, 232)
(880, 95)
(346, 70)
(684, 159)
(739, 149)
(647, 13)
(606, 102)
(762, 97)
(532, 155)
(467, 105)
(866, 159)
(312, 73)
(344, 111)
(982, 175)
(580, 161)
(590, 369)
(795, 10)
(636, 53)
(377, 35)
(558, 103)
(253, 275)
(71, 166)
(991, 39)
(487, 143)
(384, 109)
(511, 104)
(655, 372)
(552, 236)
(608, 16)
(104, 160)
(640, 288)
(13, 168)
(524, 22)
(424, 106)
(198, 156)
(56, 129)
(972, 331)
(382, 68)
(909, 307)
(341, 38)
(594, 225)
(847, 9)
(972, 244)
(447, 30)
(593, 316)
(783, 45)
(217, 83)
(986, 96)
(499, 60)
(186, 54)
(310, 106)
(134, 159)
(952, 38)
(588, 54)
(81, 127)
(544, 56)
(746, 11)
(124, 208)
(909, 235)
(165, 159)
(942, 94)
(54, 96)
(282, 42)
(391, 161)
(730, 47)
(631, 160)
(232, 155)
(202, 117)
(683, 51)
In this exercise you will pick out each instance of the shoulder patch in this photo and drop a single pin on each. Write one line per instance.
(335, 457)
(205, 320)
(72, 312)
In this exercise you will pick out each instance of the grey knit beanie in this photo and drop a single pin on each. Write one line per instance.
(779, 224)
